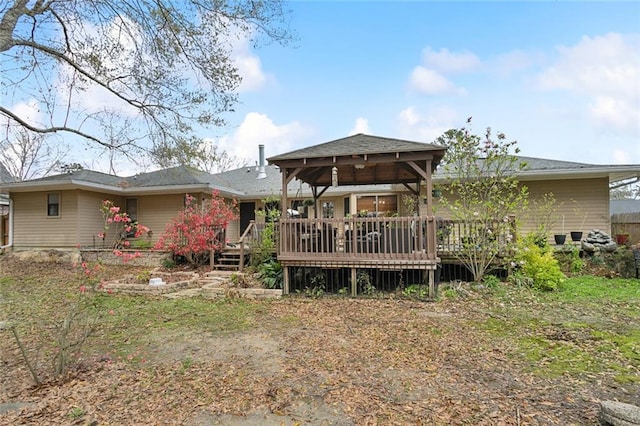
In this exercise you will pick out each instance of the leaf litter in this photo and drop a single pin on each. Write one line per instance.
(321, 361)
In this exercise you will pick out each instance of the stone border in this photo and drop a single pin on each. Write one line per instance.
(127, 284)
(147, 257)
(208, 286)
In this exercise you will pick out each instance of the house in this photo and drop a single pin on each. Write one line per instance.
(5, 207)
(62, 211)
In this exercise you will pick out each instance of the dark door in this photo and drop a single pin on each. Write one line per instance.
(247, 214)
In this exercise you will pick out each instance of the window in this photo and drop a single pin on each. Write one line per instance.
(53, 204)
(327, 209)
(377, 205)
(131, 208)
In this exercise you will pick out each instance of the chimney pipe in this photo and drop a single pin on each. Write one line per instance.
(262, 173)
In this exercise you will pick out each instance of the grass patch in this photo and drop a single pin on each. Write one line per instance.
(589, 288)
(557, 358)
(589, 326)
(130, 321)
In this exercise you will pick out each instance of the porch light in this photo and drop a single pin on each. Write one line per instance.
(334, 176)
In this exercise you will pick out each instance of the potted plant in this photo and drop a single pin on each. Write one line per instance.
(560, 238)
(622, 235)
(622, 239)
(581, 214)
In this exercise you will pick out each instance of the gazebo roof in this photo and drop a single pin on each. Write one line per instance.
(358, 144)
(361, 160)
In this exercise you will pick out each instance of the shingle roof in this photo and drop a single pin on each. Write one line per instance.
(181, 175)
(82, 175)
(357, 144)
(5, 176)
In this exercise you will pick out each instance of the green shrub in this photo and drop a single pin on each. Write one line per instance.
(168, 263)
(537, 266)
(271, 274)
(263, 249)
(491, 281)
(620, 263)
(570, 262)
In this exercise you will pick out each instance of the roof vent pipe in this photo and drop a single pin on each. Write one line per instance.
(262, 173)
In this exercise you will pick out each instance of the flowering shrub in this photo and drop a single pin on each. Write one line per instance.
(198, 230)
(124, 227)
(537, 266)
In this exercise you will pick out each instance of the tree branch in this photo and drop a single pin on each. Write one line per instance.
(53, 129)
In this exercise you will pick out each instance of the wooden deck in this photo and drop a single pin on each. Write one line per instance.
(379, 242)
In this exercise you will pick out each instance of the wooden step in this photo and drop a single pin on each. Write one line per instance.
(228, 259)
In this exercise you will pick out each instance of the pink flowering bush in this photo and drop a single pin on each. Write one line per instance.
(123, 228)
(198, 230)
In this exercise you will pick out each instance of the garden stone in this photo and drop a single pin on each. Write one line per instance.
(5, 407)
(597, 239)
(613, 413)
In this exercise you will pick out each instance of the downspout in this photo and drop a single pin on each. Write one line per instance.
(10, 226)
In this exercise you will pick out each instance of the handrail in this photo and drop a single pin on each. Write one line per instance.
(241, 241)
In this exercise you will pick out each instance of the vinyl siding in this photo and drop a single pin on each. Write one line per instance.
(156, 211)
(577, 200)
(584, 204)
(91, 221)
(34, 229)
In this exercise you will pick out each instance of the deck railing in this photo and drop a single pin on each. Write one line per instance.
(398, 238)
(372, 238)
(452, 235)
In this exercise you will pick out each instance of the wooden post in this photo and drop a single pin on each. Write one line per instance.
(285, 280)
(432, 284)
(354, 284)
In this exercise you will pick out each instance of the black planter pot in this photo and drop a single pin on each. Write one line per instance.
(560, 239)
(576, 235)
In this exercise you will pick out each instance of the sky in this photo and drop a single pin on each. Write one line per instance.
(561, 78)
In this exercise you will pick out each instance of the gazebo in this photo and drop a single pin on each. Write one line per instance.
(361, 242)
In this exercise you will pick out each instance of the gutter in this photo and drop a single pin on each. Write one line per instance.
(10, 226)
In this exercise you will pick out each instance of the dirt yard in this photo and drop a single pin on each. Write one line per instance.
(296, 361)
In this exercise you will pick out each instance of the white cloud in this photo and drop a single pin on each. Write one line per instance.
(361, 126)
(426, 127)
(28, 111)
(514, 61)
(249, 66)
(606, 70)
(449, 62)
(430, 82)
(256, 129)
(429, 78)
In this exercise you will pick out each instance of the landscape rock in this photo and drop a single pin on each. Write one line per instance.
(598, 240)
(614, 413)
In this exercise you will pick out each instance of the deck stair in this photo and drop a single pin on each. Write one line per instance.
(228, 259)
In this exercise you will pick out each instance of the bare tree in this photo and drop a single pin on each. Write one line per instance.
(213, 159)
(27, 155)
(163, 64)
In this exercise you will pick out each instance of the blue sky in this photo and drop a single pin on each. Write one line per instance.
(561, 78)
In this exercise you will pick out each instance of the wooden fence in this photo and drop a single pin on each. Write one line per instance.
(626, 223)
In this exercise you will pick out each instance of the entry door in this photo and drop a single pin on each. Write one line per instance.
(247, 214)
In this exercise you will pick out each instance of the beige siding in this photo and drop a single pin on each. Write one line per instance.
(91, 221)
(156, 211)
(233, 231)
(34, 229)
(584, 204)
